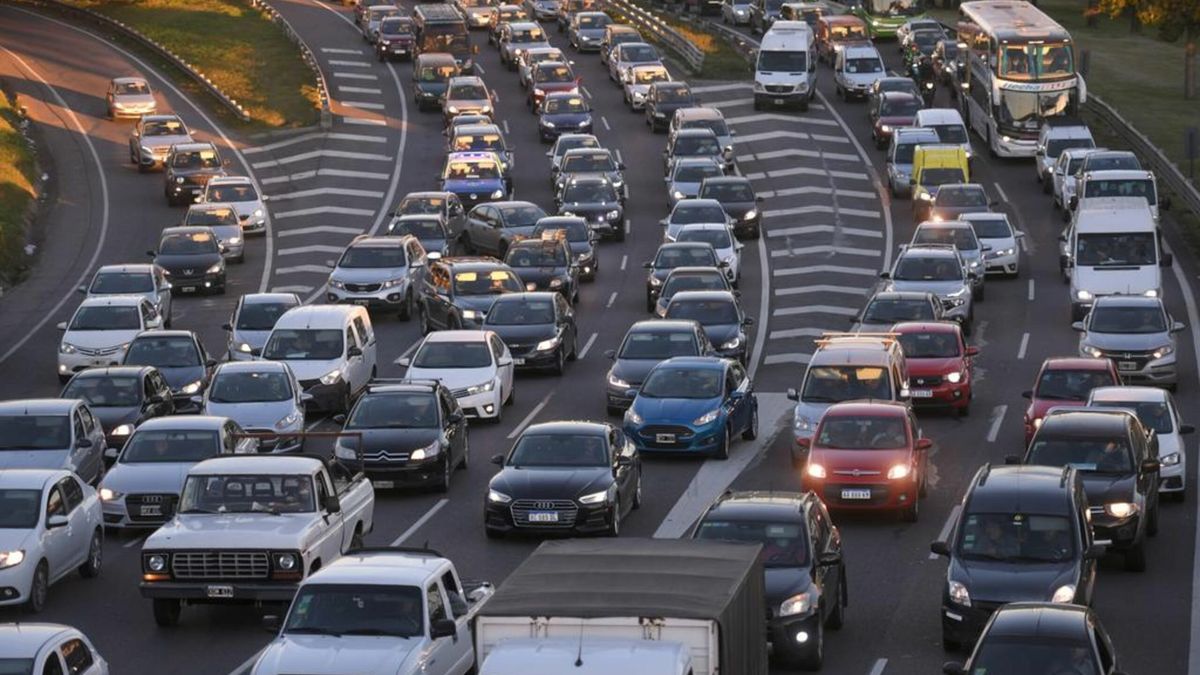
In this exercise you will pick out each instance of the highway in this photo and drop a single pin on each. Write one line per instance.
(829, 229)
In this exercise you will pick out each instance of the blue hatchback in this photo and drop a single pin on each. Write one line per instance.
(475, 177)
(563, 113)
(693, 404)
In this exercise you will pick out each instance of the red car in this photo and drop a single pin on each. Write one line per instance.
(550, 77)
(868, 456)
(1066, 381)
(890, 110)
(939, 364)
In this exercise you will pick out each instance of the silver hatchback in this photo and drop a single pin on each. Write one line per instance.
(938, 270)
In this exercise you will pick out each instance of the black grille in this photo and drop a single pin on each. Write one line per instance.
(565, 508)
(362, 288)
(158, 508)
(220, 565)
(779, 88)
(927, 381)
(309, 384)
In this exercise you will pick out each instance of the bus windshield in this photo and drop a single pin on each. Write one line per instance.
(896, 7)
(1024, 110)
(1036, 61)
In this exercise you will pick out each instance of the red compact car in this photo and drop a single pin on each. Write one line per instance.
(1065, 381)
(939, 364)
(869, 456)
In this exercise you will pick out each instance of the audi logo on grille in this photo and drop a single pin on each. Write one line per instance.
(543, 505)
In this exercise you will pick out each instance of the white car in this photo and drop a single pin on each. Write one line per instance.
(49, 648)
(475, 364)
(855, 69)
(142, 279)
(100, 331)
(638, 82)
(1156, 409)
(728, 248)
(261, 396)
(694, 212)
(1062, 177)
(52, 526)
(245, 198)
(629, 54)
(531, 57)
(1001, 252)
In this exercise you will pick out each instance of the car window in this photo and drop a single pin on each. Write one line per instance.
(72, 493)
(77, 656)
(53, 665)
(80, 431)
(497, 347)
(361, 327)
(351, 341)
(89, 423)
(437, 608)
(458, 603)
(55, 505)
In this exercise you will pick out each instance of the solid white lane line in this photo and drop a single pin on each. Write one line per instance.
(945, 532)
(530, 417)
(479, 69)
(313, 192)
(421, 521)
(365, 121)
(604, 121)
(877, 669)
(611, 299)
(248, 663)
(325, 209)
(764, 304)
(585, 92)
(1000, 191)
(997, 420)
(587, 346)
(628, 226)
(1031, 289)
(624, 261)
(1023, 347)
(362, 105)
(321, 229)
(359, 90)
(722, 87)
(334, 50)
(620, 160)
(355, 76)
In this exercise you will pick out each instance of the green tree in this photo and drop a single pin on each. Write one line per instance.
(1174, 19)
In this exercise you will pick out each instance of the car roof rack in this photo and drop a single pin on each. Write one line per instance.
(829, 338)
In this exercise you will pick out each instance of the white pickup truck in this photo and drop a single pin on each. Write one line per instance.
(250, 528)
(381, 611)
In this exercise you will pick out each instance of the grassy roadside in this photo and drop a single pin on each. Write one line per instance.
(721, 62)
(16, 193)
(238, 48)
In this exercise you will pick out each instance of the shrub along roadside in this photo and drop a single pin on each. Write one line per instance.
(16, 193)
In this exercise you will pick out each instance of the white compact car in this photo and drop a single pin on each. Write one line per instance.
(49, 648)
(728, 248)
(100, 331)
(475, 364)
(638, 81)
(51, 526)
(240, 193)
(1001, 252)
(142, 279)
(1156, 409)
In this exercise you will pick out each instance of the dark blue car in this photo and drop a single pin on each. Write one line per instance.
(693, 404)
(563, 113)
(475, 177)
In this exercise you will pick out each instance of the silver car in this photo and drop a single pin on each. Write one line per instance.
(687, 175)
(152, 138)
(130, 97)
(1157, 411)
(264, 397)
(142, 279)
(51, 433)
(939, 270)
(382, 272)
(637, 80)
(961, 235)
(252, 322)
(1135, 332)
(240, 193)
(1001, 253)
(224, 222)
(900, 157)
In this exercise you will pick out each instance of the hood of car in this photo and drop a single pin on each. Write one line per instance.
(781, 583)
(178, 377)
(438, 88)
(16, 540)
(1126, 341)
(474, 186)
(34, 459)
(333, 655)
(454, 378)
(437, 245)
(673, 410)
(1104, 488)
(112, 417)
(368, 275)
(539, 275)
(897, 120)
(738, 210)
(551, 483)
(524, 334)
(96, 339)
(255, 415)
(233, 531)
(311, 369)
(865, 461)
(998, 581)
(179, 264)
(919, 368)
(479, 303)
(133, 99)
(398, 440)
(567, 118)
(952, 212)
(154, 477)
(720, 333)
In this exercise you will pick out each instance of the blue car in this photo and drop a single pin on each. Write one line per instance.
(563, 113)
(475, 177)
(693, 404)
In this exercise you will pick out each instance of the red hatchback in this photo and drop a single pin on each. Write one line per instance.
(1066, 381)
(868, 456)
(939, 364)
(551, 77)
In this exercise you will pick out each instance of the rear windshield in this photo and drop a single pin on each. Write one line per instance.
(831, 384)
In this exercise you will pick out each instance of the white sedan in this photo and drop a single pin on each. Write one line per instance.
(475, 364)
(101, 330)
(1156, 409)
(1001, 253)
(728, 248)
(49, 648)
(51, 526)
(240, 193)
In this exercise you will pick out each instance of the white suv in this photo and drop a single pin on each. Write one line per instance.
(475, 364)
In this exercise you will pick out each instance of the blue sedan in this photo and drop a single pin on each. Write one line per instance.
(693, 404)
(563, 113)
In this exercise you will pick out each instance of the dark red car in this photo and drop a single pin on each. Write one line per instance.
(890, 110)
(1065, 381)
(868, 456)
(550, 77)
(939, 364)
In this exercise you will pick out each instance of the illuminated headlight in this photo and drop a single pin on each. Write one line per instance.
(452, 110)
(1037, 423)
(108, 494)
(334, 283)
(486, 110)
(974, 264)
(815, 470)
(538, 92)
(707, 417)
(750, 215)
(925, 197)
(1152, 293)
(797, 604)
(655, 281)
(546, 345)
(123, 430)
(498, 497)
(732, 344)
(633, 417)
(234, 240)
(156, 562)
(148, 150)
(954, 378)
(613, 215)
(1120, 509)
(556, 283)
(258, 213)
(547, 123)
(497, 194)
(1064, 594)
(66, 348)
(216, 269)
(191, 387)
(530, 286)
(1007, 139)
(481, 388)
(617, 382)
(1083, 295)
(392, 283)
(1091, 351)
(739, 12)
(424, 453)
(179, 180)
(677, 194)
(969, 153)
(899, 471)
(802, 424)
(331, 377)
(959, 594)
(1171, 459)
(595, 497)
(472, 314)
(885, 128)
(286, 561)
(294, 417)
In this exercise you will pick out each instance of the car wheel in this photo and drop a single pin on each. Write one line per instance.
(1135, 558)
(816, 654)
(751, 431)
(560, 360)
(443, 484)
(465, 462)
(614, 528)
(39, 588)
(722, 451)
(837, 617)
(166, 612)
(90, 569)
(637, 493)
(912, 512)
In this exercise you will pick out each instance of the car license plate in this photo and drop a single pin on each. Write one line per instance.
(856, 494)
(384, 484)
(518, 362)
(543, 517)
(664, 438)
(220, 591)
(921, 393)
(1127, 365)
(151, 510)
(778, 101)
(187, 289)
(361, 301)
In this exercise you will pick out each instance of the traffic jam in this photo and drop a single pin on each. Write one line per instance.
(252, 473)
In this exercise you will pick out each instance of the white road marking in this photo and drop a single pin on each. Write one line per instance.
(504, 123)
(303, 269)
(708, 89)
(530, 417)
(362, 105)
(818, 208)
(792, 333)
(325, 209)
(304, 138)
(313, 248)
(945, 532)
(1031, 289)
(764, 303)
(877, 669)
(341, 173)
(367, 121)
(587, 346)
(807, 171)
(824, 229)
(794, 152)
(826, 269)
(620, 160)
(628, 226)
(334, 50)
(314, 192)
(604, 121)
(830, 139)
(775, 117)
(773, 135)
(359, 90)
(826, 248)
(729, 104)
(771, 359)
(479, 68)
(356, 76)
(585, 92)
(314, 154)
(135, 541)
(1024, 346)
(421, 521)
(818, 190)
(321, 229)
(1000, 191)
(298, 288)
(820, 288)
(815, 309)
(611, 299)
(624, 261)
(349, 64)
(997, 419)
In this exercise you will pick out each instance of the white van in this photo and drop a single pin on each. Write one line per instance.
(785, 72)
(855, 69)
(1119, 183)
(948, 124)
(1111, 248)
(593, 656)
(332, 350)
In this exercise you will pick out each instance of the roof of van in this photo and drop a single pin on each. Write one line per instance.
(317, 316)
(787, 39)
(1115, 214)
(1119, 174)
(937, 116)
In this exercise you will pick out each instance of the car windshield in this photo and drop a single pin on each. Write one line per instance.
(719, 238)
(553, 73)
(1112, 162)
(831, 384)
(862, 433)
(1153, 415)
(106, 318)
(1016, 537)
(962, 238)
(899, 107)
(658, 346)
(1109, 319)
(200, 159)
(1120, 249)
(683, 382)
(1123, 187)
(396, 26)
(669, 258)
(147, 446)
(469, 142)
(163, 352)
(467, 92)
(950, 133)
(1103, 455)
(673, 94)
(453, 355)
(437, 73)
(524, 35)
(1055, 146)
(992, 228)
(650, 75)
(577, 230)
(521, 312)
(19, 510)
(707, 312)
(1057, 384)
(190, 243)
(589, 162)
(728, 192)
(421, 206)
(892, 310)
(243, 192)
(941, 176)
(210, 217)
(676, 283)
(491, 282)
(373, 257)
(484, 169)
(588, 193)
(133, 88)
(537, 256)
(570, 143)
(163, 128)
(522, 216)
(424, 228)
(771, 61)
(560, 450)
(1014, 656)
(261, 387)
(564, 105)
(921, 268)
(304, 345)
(783, 544)
(694, 173)
(106, 391)
(690, 214)
(863, 66)
(695, 145)
(395, 411)
(949, 195)
(930, 345)
(247, 493)
(116, 283)
(35, 432)
(261, 315)
(394, 611)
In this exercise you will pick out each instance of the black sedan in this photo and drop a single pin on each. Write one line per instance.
(576, 477)
(647, 344)
(121, 398)
(545, 265)
(691, 279)
(737, 196)
(539, 329)
(596, 200)
(954, 200)
(192, 259)
(720, 315)
(1042, 637)
(580, 241)
(663, 99)
(672, 255)
(179, 358)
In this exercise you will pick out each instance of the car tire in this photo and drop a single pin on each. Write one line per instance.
(614, 528)
(1135, 557)
(422, 320)
(722, 451)
(837, 617)
(751, 431)
(345, 402)
(39, 589)
(443, 484)
(90, 569)
(406, 310)
(649, 305)
(912, 512)
(816, 655)
(166, 612)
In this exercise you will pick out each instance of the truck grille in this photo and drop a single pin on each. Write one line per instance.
(220, 565)
(779, 88)
(565, 509)
(150, 508)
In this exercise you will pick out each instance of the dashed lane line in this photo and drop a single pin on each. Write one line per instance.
(879, 667)
(355, 76)
(997, 420)
(294, 288)
(792, 333)
(341, 173)
(349, 64)
(624, 262)
(1031, 291)
(824, 229)
(604, 121)
(530, 417)
(1024, 346)
(587, 346)
(340, 210)
(421, 521)
(335, 50)
(611, 299)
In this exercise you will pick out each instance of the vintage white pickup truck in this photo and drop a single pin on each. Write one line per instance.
(250, 528)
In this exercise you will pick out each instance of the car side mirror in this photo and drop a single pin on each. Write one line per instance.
(1095, 552)
(1178, 326)
(456, 417)
(339, 418)
(1150, 466)
(272, 623)
(972, 351)
(1078, 327)
(333, 504)
(793, 395)
(939, 548)
(498, 460)
(54, 522)
(1166, 260)
(61, 325)
(1012, 460)
(404, 361)
(953, 668)
(1185, 429)
(1028, 393)
(885, 275)
(443, 627)
(829, 559)
(110, 453)
(354, 351)
(924, 443)
(82, 290)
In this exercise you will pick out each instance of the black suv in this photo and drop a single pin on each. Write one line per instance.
(538, 328)
(545, 265)
(805, 580)
(672, 255)
(1117, 459)
(663, 99)
(413, 434)
(1041, 637)
(596, 200)
(458, 292)
(188, 168)
(647, 344)
(1022, 535)
(580, 241)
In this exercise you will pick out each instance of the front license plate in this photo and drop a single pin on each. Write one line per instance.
(361, 301)
(921, 393)
(778, 101)
(543, 517)
(664, 438)
(220, 591)
(518, 362)
(856, 494)
(187, 289)
(384, 484)
(1127, 365)
(151, 510)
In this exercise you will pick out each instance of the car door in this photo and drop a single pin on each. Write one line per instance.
(56, 541)
(743, 406)
(442, 305)
(623, 471)
(79, 441)
(367, 341)
(416, 263)
(163, 290)
(441, 655)
(464, 655)
(452, 428)
(80, 529)
(821, 535)
(355, 359)
(504, 366)
(477, 228)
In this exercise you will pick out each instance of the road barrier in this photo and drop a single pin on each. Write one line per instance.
(305, 53)
(659, 31)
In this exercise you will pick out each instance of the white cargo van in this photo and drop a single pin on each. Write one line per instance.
(785, 72)
(1111, 248)
(1119, 183)
(332, 350)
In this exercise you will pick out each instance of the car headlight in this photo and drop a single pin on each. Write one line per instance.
(802, 423)
(925, 197)
(797, 604)
(497, 194)
(123, 430)
(148, 150)
(258, 213)
(108, 494)
(486, 110)
(335, 283)
(216, 268)
(344, 452)
(179, 180)
(815, 470)
(954, 378)
(1037, 423)
(617, 382)
(655, 281)
(633, 417)
(885, 128)
(452, 110)
(974, 264)
(156, 562)
(547, 123)
(1083, 295)
(1165, 350)
(11, 558)
(706, 417)
(191, 387)
(331, 377)
(498, 497)
(546, 345)
(1064, 594)
(732, 344)
(596, 497)
(556, 283)
(677, 194)
(392, 283)
(1120, 509)
(1152, 293)
(66, 348)
(424, 453)
(481, 388)
(1171, 459)
(234, 240)
(292, 418)
(614, 214)
(898, 471)
(750, 215)
(959, 594)
(538, 91)
(285, 561)
(1091, 351)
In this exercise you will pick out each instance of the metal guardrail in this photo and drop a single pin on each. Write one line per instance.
(743, 44)
(154, 46)
(305, 53)
(658, 30)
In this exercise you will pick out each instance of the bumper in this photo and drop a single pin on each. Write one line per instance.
(620, 397)
(151, 159)
(959, 313)
(791, 638)
(231, 592)
(1117, 534)
(792, 98)
(116, 515)
(587, 44)
(964, 624)
(942, 396)
(485, 405)
(847, 494)
(1160, 372)
(528, 359)
(182, 190)
(68, 364)
(551, 133)
(681, 438)
(197, 284)
(588, 519)
(413, 474)
(402, 50)
(385, 298)
(1005, 264)
(607, 228)
(132, 113)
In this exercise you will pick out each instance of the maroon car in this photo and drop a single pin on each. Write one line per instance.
(550, 77)
(1066, 381)
(890, 110)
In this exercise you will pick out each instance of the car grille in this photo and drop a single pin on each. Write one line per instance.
(99, 351)
(1138, 358)
(927, 381)
(362, 288)
(459, 393)
(220, 565)
(779, 88)
(165, 502)
(160, 150)
(386, 457)
(566, 510)
(520, 351)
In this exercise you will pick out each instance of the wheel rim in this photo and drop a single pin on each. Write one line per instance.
(39, 588)
(97, 554)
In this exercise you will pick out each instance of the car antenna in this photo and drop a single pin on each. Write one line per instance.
(579, 654)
